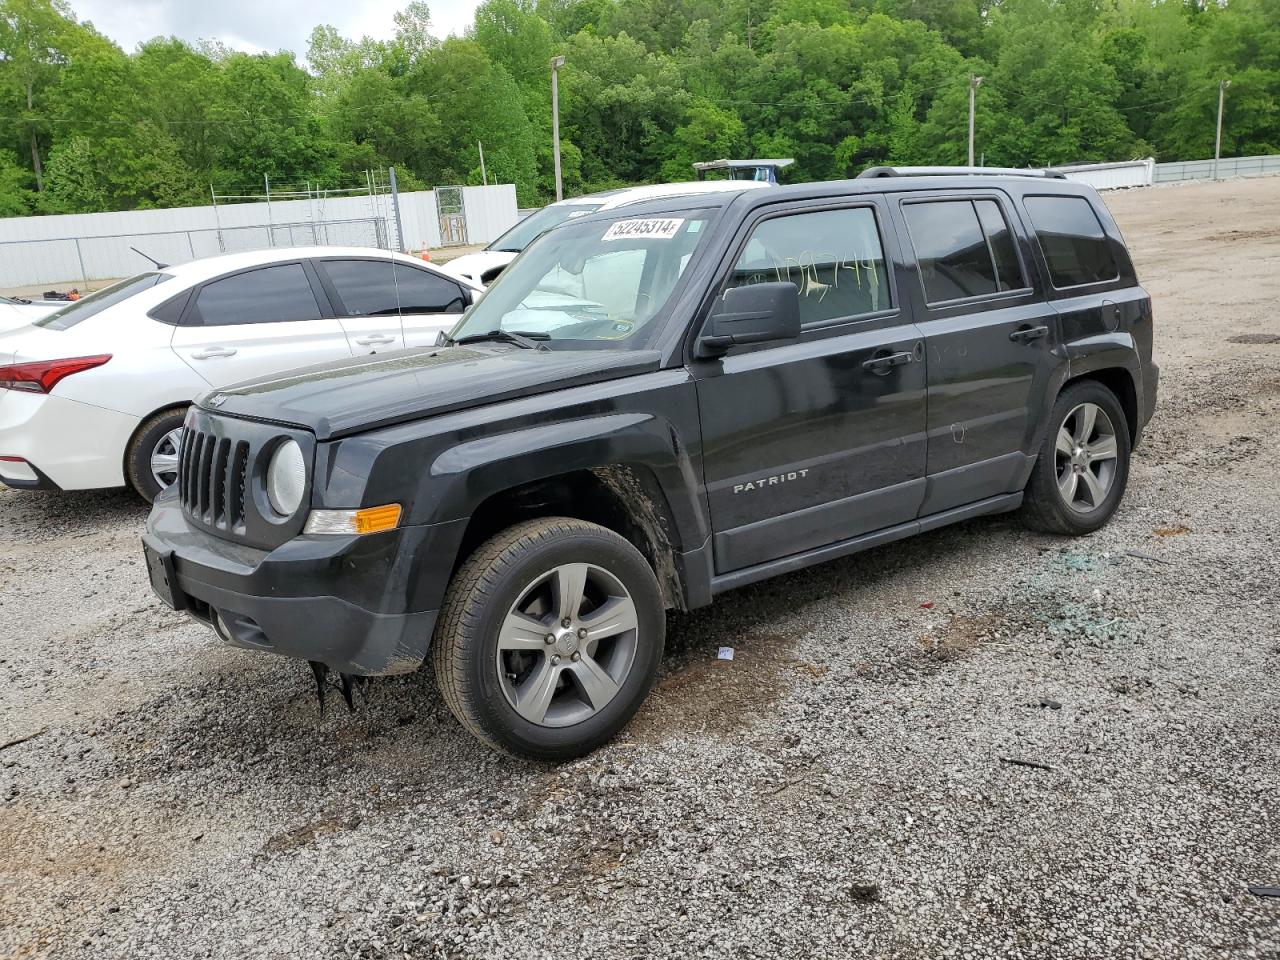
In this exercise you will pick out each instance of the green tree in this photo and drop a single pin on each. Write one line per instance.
(32, 34)
(476, 101)
(266, 124)
(16, 196)
(708, 133)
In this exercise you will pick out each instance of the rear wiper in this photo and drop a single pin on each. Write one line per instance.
(520, 338)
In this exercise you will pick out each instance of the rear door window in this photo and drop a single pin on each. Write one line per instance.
(1075, 246)
(834, 257)
(278, 294)
(964, 249)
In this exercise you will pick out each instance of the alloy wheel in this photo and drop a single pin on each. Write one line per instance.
(1086, 457)
(567, 645)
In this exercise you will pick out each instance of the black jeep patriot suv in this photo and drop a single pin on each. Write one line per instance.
(651, 407)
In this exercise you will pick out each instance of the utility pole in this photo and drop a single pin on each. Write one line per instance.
(1217, 137)
(271, 228)
(395, 205)
(484, 177)
(974, 83)
(556, 64)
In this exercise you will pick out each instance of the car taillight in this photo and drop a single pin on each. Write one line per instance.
(41, 376)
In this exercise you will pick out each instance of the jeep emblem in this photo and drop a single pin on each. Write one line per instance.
(217, 400)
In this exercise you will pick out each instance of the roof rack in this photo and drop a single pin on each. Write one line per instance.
(874, 172)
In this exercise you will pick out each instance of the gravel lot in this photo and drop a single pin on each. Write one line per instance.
(842, 788)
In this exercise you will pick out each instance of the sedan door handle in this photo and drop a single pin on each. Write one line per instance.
(882, 364)
(375, 339)
(1027, 334)
(209, 353)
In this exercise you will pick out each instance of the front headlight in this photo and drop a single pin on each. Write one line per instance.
(286, 479)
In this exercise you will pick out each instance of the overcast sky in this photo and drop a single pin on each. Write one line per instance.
(256, 25)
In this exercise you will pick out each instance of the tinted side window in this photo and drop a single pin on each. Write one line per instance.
(1073, 241)
(421, 291)
(834, 257)
(1008, 268)
(367, 287)
(951, 249)
(270, 295)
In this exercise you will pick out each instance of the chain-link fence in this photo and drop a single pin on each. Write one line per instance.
(93, 261)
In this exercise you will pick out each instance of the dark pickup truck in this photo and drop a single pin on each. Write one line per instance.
(656, 405)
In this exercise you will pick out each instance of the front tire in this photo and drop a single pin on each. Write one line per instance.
(1080, 475)
(549, 639)
(151, 462)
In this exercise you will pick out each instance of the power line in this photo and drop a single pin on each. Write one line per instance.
(859, 101)
(1018, 95)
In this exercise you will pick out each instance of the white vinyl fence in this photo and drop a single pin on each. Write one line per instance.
(80, 248)
(1111, 176)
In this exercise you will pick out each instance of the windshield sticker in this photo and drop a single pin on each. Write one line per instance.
(650, 228)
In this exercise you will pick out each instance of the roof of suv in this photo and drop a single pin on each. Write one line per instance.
(609, 199)
(958, 183)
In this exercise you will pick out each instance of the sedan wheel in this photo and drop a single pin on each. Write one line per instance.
(164, 459)
(151, 460)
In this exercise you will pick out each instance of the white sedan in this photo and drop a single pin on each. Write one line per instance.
(94, 394)
(483, 266)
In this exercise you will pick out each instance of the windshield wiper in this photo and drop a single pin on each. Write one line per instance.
(524, 338)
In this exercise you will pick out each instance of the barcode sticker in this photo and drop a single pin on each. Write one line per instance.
(650, 228)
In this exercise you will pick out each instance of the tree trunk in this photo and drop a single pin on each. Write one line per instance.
(35, 162)
(35, 148)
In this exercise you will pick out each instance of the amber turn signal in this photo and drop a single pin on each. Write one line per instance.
(360, 522)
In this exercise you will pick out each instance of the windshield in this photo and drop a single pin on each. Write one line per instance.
(79, 310)
(528, 229)
(592, 284)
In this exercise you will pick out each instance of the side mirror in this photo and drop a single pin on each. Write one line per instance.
(756, 313)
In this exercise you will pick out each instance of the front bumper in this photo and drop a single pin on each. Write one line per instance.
(361, 605)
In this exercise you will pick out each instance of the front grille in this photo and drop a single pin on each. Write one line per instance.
(211, 479)
(222, 468)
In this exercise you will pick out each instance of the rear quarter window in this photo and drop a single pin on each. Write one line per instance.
(1075, 246)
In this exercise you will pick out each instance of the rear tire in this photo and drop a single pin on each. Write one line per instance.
(1080, 475)
(581, 585)
(151, 462)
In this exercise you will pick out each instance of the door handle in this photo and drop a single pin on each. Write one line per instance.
(209, 353)
(1027, 334)
(885, 362)
(375, 339)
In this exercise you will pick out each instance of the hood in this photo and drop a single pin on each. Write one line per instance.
(348, 396)
(473, 266)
